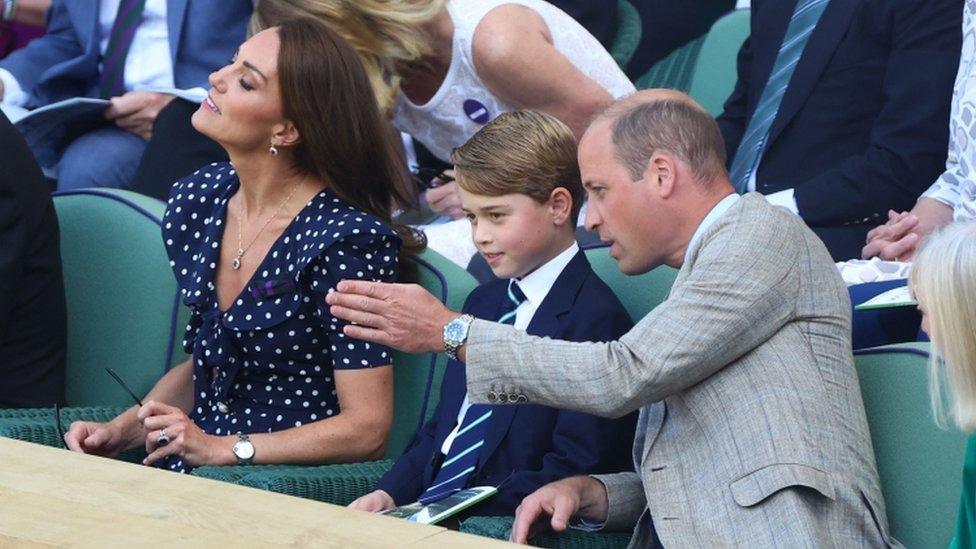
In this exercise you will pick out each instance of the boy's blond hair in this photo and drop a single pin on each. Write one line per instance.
(521, 152)
(944, 280)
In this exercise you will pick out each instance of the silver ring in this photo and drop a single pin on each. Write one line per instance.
(163, 438)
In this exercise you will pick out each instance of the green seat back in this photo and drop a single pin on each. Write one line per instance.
(417, 378)
(639, 294)
(629, 29)
(716, 68)
(121, 294)
(675, 70)
(920, 465)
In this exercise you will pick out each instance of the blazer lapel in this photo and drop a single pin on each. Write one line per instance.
(820, 48)
(547, 321)
(175, 13)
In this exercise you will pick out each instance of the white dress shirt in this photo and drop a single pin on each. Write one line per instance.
(535, 286)
(148, 63)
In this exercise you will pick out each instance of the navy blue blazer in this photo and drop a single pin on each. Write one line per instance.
(529, 445)
(64, 62)
(863, 126)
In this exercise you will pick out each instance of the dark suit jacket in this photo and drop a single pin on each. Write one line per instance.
(32, 309)
(863, 125)
(528, 445)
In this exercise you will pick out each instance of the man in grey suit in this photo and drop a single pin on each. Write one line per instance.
(752, 431)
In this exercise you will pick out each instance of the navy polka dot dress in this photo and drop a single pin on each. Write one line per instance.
(267, 362)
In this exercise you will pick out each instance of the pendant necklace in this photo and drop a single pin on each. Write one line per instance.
(241, 248)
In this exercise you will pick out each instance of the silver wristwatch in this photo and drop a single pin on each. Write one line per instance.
(244, 450)
(455, 334)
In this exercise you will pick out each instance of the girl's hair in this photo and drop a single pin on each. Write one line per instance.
(944, 281)
(383, 33)
(344, 139)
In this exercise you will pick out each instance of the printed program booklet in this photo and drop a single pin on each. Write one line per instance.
(48, 129)
(897, 297)
(439, 510)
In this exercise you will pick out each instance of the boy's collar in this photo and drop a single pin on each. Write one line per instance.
(536, 285)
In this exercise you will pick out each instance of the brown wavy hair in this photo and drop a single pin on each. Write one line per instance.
(344, 139)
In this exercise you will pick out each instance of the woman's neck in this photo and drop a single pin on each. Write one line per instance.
(267, 180)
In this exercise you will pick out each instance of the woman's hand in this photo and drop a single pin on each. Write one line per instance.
(898, 239)
(373, 502)
(185, 439)
(444, 198)
(100, 439)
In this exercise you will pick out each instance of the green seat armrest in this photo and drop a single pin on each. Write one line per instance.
(339, 484)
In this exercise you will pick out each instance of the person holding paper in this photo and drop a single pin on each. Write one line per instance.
(521, 203)
(751, 430)
(944, 282)
(114, 49)
(255, 244)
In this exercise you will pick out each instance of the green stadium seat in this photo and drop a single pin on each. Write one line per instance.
(675, 70)
(122, 306)
(920, 465)
(715, 71)
(629, 30)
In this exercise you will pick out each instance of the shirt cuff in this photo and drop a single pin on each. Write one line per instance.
(785, 199)
(13, 94)
(944, 191)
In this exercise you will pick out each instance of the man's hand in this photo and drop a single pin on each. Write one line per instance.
(444, 199)
(583, 497)
(898, 239)
(373, 502)
(136, 111)
(402, 316)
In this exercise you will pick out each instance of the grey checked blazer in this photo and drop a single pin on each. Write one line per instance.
(752, 432)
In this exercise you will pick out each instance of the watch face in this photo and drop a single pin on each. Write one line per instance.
(455, 330)
(244, 449)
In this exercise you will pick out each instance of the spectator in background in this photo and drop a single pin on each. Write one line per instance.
(272, 379)
(443, 69)
(98, 53)
(944, 282)
(953, 195)
(20, 22)
(830, 118)
(32, 308)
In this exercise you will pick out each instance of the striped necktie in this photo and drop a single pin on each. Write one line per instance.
(127, 19)
(462, 458)
(746, 161)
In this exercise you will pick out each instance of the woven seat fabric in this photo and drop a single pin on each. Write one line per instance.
(338, 484)
(673, 71)
(501, 527)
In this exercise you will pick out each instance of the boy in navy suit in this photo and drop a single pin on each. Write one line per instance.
(520, 188)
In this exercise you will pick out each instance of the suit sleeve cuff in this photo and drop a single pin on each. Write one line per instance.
(13, 94)
(785, 199)
(625, 500)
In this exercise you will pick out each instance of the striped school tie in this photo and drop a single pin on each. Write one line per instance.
(127, 20)
(746, 161)
(462, 458)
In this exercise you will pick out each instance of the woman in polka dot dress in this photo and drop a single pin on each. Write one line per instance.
(255, 245)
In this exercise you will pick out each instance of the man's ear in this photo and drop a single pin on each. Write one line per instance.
(560, 205)
(285, 135)
(660, 173)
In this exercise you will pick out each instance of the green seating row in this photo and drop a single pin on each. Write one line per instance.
(706, 67)
(629, 31)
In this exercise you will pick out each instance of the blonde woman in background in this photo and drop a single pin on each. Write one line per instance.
(442, 69)
(944, 281)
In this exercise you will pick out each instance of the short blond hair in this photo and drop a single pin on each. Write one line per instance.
(944, 280)
(521, 152)
(384, 33)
